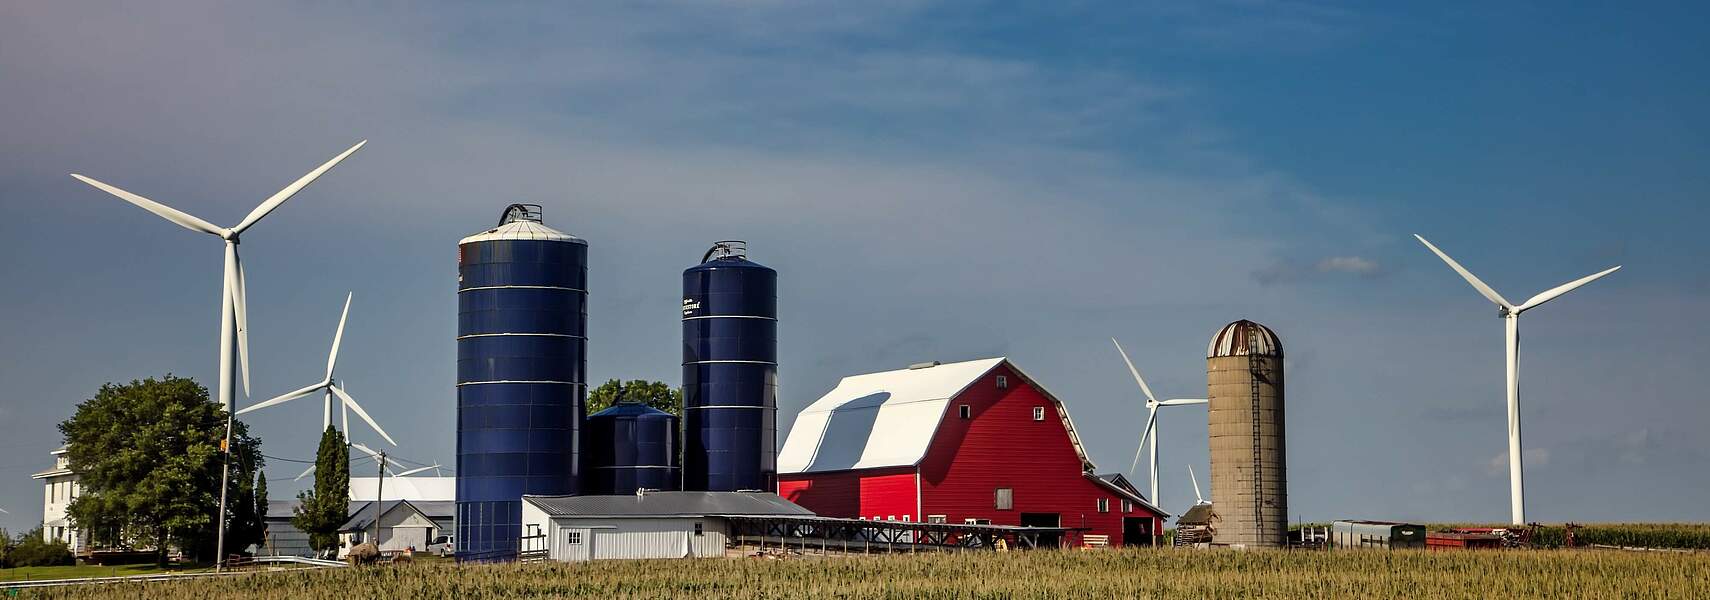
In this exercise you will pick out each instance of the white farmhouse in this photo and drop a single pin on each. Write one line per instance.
(59, 488)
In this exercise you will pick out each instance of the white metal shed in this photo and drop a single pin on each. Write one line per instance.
(644, 525)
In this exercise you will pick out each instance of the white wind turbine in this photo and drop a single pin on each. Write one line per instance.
(1510, 314)
(329, 388)
(1198, 499)
(1152, 404)
(234, 318)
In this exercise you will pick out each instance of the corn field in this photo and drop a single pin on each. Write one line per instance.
(1138, 573)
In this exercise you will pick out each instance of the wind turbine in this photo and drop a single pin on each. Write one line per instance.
(1510, 314)
(329, 388)
(1198, 500)
(376, 456)
(234, 318)
(1152, 405)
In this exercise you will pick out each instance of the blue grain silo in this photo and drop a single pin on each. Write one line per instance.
(630, 446)
(521, 385)
(730, 372)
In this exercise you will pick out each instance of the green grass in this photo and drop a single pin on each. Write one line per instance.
(1128, 573)
(77, 571)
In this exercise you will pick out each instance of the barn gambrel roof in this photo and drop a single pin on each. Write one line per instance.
(888, 419)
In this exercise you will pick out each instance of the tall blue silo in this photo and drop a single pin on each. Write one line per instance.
(730, 372)
(630, 446)
(521, 385)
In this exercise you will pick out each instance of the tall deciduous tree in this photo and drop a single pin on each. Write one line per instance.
(322, 510)
(656, 394)
(147, 455)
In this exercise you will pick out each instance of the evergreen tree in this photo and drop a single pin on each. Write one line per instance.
(323, 509)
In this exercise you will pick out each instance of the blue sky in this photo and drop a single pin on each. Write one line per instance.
(933, 181)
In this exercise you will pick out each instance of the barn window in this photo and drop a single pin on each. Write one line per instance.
(1038, 413)
(965, 411)
(1103, 505)
(1005, 499)
(972, 521)
(937, 519)
(698, 529)
(1127, 506)
(1002, 382)
(572, 537)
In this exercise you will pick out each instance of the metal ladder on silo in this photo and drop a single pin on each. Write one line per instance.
(1256, 375)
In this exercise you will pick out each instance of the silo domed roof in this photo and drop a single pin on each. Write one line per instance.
(1244, 338)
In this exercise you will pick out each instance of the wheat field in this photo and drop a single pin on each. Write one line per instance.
(1138, 573)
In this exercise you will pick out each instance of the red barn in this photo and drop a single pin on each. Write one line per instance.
(968, 442)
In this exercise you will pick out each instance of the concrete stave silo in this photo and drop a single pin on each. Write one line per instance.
(730, 372)
(521, 375)
(1249, 478)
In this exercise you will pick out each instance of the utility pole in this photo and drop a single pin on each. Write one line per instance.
(379, 496)
(225, 472)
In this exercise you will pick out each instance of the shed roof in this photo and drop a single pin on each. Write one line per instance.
(1200, 514)
(362, 517)
(888, 419)
(668, 504)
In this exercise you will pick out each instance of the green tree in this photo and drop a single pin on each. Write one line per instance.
(261, 506)
(322, 510)
(30, 550)
(147, 455)
(245, 528)
(656, 394)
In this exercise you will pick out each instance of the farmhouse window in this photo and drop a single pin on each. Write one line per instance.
(1005, 499)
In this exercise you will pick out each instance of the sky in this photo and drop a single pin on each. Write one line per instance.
(933, 181)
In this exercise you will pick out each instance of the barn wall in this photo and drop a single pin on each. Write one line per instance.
(1001, 446)
(862, 493)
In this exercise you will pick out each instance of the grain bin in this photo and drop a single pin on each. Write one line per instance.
(730, 372)
(1249, 479)
(521, 385)
(630, 446)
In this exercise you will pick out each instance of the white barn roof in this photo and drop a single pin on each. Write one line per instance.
(886, 419)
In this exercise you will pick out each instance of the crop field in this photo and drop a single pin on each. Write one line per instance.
(1141, 573)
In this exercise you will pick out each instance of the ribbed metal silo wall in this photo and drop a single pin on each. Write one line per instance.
(1249, 488)
(730, 376)
(630, 446)
(521, 364)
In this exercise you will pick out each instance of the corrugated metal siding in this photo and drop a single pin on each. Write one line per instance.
(646, 538)
(853, 494)
(1001, 446)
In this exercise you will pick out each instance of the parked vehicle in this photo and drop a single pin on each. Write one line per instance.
(442, 545)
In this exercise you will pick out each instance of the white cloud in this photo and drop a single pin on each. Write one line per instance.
(1348, 264)
(1534, 457)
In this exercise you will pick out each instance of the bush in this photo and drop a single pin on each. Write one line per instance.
(31, 551)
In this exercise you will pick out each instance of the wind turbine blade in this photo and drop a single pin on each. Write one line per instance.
(1136, 372)
(1551, 293)
(287, 397)
(370, 451)
(1197, 497)
(305, 473)
(1183, 401)
(240, 311)
(332, 357)
(1467, 275)
(357, 408)
(1151, 421)
(183, 219)
(268, 205)
(5, 512)
(416, 470)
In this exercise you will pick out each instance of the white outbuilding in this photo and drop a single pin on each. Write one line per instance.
(643, 525)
